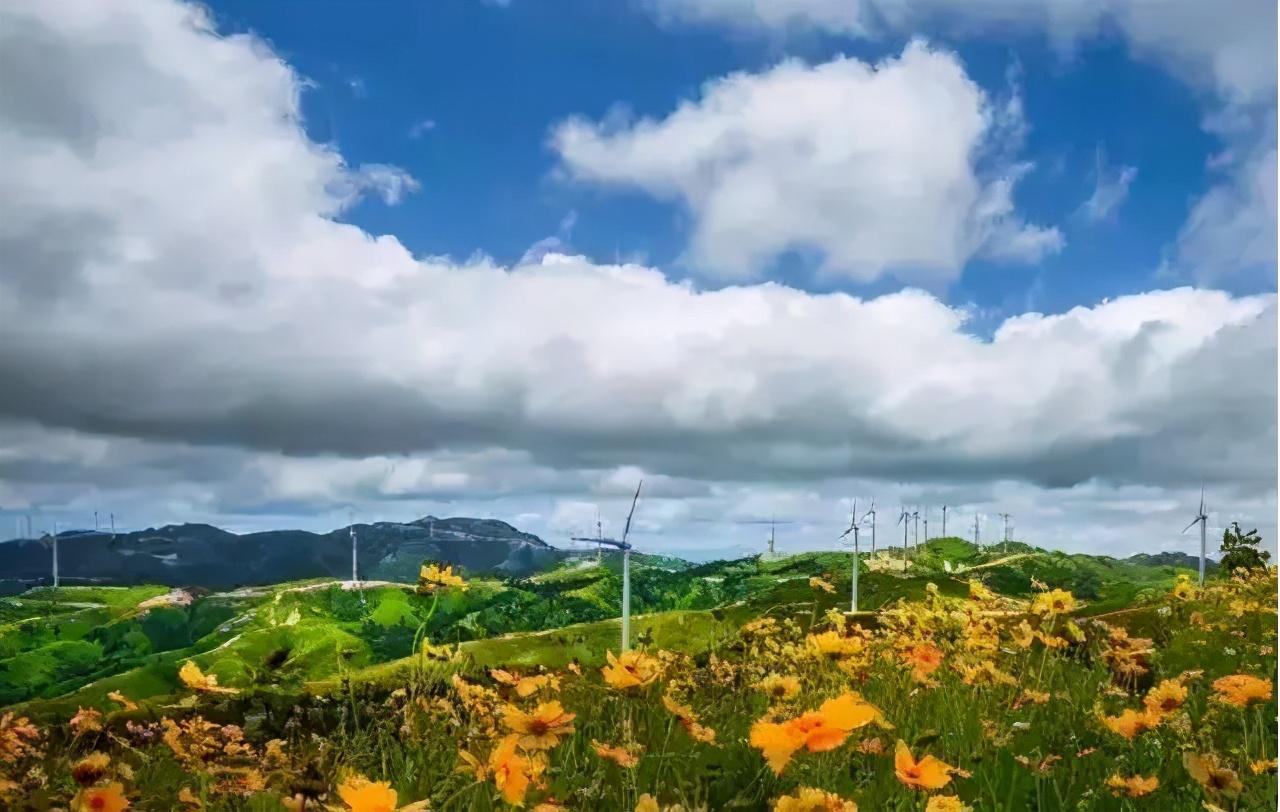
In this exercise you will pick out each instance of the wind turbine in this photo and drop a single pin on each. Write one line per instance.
(975, 532)
(926, 524)
(625, 547)
(1005, 516)
(872, 514)
(915, 533)
(853, 528)
(944, 521)
(902, 520)
(1201, 517)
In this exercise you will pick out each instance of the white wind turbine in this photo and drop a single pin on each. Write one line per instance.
(904, 520)
(1203, 520)
(853, 528)
(872, 514)
(625, 547)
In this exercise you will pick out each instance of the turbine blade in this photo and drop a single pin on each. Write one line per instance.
(1193, 524)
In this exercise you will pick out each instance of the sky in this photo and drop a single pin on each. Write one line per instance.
(270, 265)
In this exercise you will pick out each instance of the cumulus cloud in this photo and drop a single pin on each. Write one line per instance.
(876, 167)
(184, 323)
(1228, 46)
(1226, 49)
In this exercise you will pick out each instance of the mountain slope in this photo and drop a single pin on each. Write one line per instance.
(201, 555)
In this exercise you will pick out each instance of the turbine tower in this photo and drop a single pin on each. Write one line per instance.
(1005, 516)
(902, 520)
(625, 547)
(944, 521)
(355, 577)
(926, 524)
(915, 533)
(1201, 517)
(975, 532)
(853, 528)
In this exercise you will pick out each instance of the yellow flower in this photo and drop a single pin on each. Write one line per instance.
(647, 803)
(90, 768)
(1135, 786)
(978, 591)
(109, 798)
(1263, 765)
(820, 583)
(1024, 635)
(688, 720)
(542, 729)
(928, 773)
(433, 577)
(127, 703)
(1241, 689)
(194, 678)
(985, 673)
(511, 771)
(946, 803)
(817, 731)
(1035, 697)
(1183, 590)
(1130, 723)
(362, 795)
(1210, 774)
(1053, 602)
(186, 796)
(778, 687)
(633, 669)
(622, 756)
(833, 645)
(1166, 697)
(809, 799)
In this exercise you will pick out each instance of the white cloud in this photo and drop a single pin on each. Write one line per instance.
(1227, 46)
(171, 258)
(422, 127)
(875, 167)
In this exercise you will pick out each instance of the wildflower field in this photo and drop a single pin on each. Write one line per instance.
(959, 697)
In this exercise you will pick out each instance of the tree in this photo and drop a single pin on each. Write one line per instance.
(1241, 549)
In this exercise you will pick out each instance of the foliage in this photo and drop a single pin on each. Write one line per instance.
(1241, 549)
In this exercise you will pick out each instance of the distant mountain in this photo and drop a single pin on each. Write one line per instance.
(202, 555)
(1173, 559)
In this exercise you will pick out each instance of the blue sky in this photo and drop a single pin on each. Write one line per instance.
(494, 79)
(303, 260)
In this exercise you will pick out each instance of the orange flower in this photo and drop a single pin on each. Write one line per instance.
(808, 799)
(86, 720)
(1135, 786)
(924, 659)
(194, 678)
(1263, 765)
(511, 771)
(1242, 689)
(633, 669)
(623, 757)
(928, 773)
(101, 799)
(1130, 723)
(1211, 775)
(833, 645)
(817, 731)
(542, 729)
(526, 686)
(126, 702)
(1165, 697)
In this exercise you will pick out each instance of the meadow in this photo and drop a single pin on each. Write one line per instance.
(992, 688)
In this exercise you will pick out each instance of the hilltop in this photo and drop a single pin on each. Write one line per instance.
(75, 644)
(206, 556)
